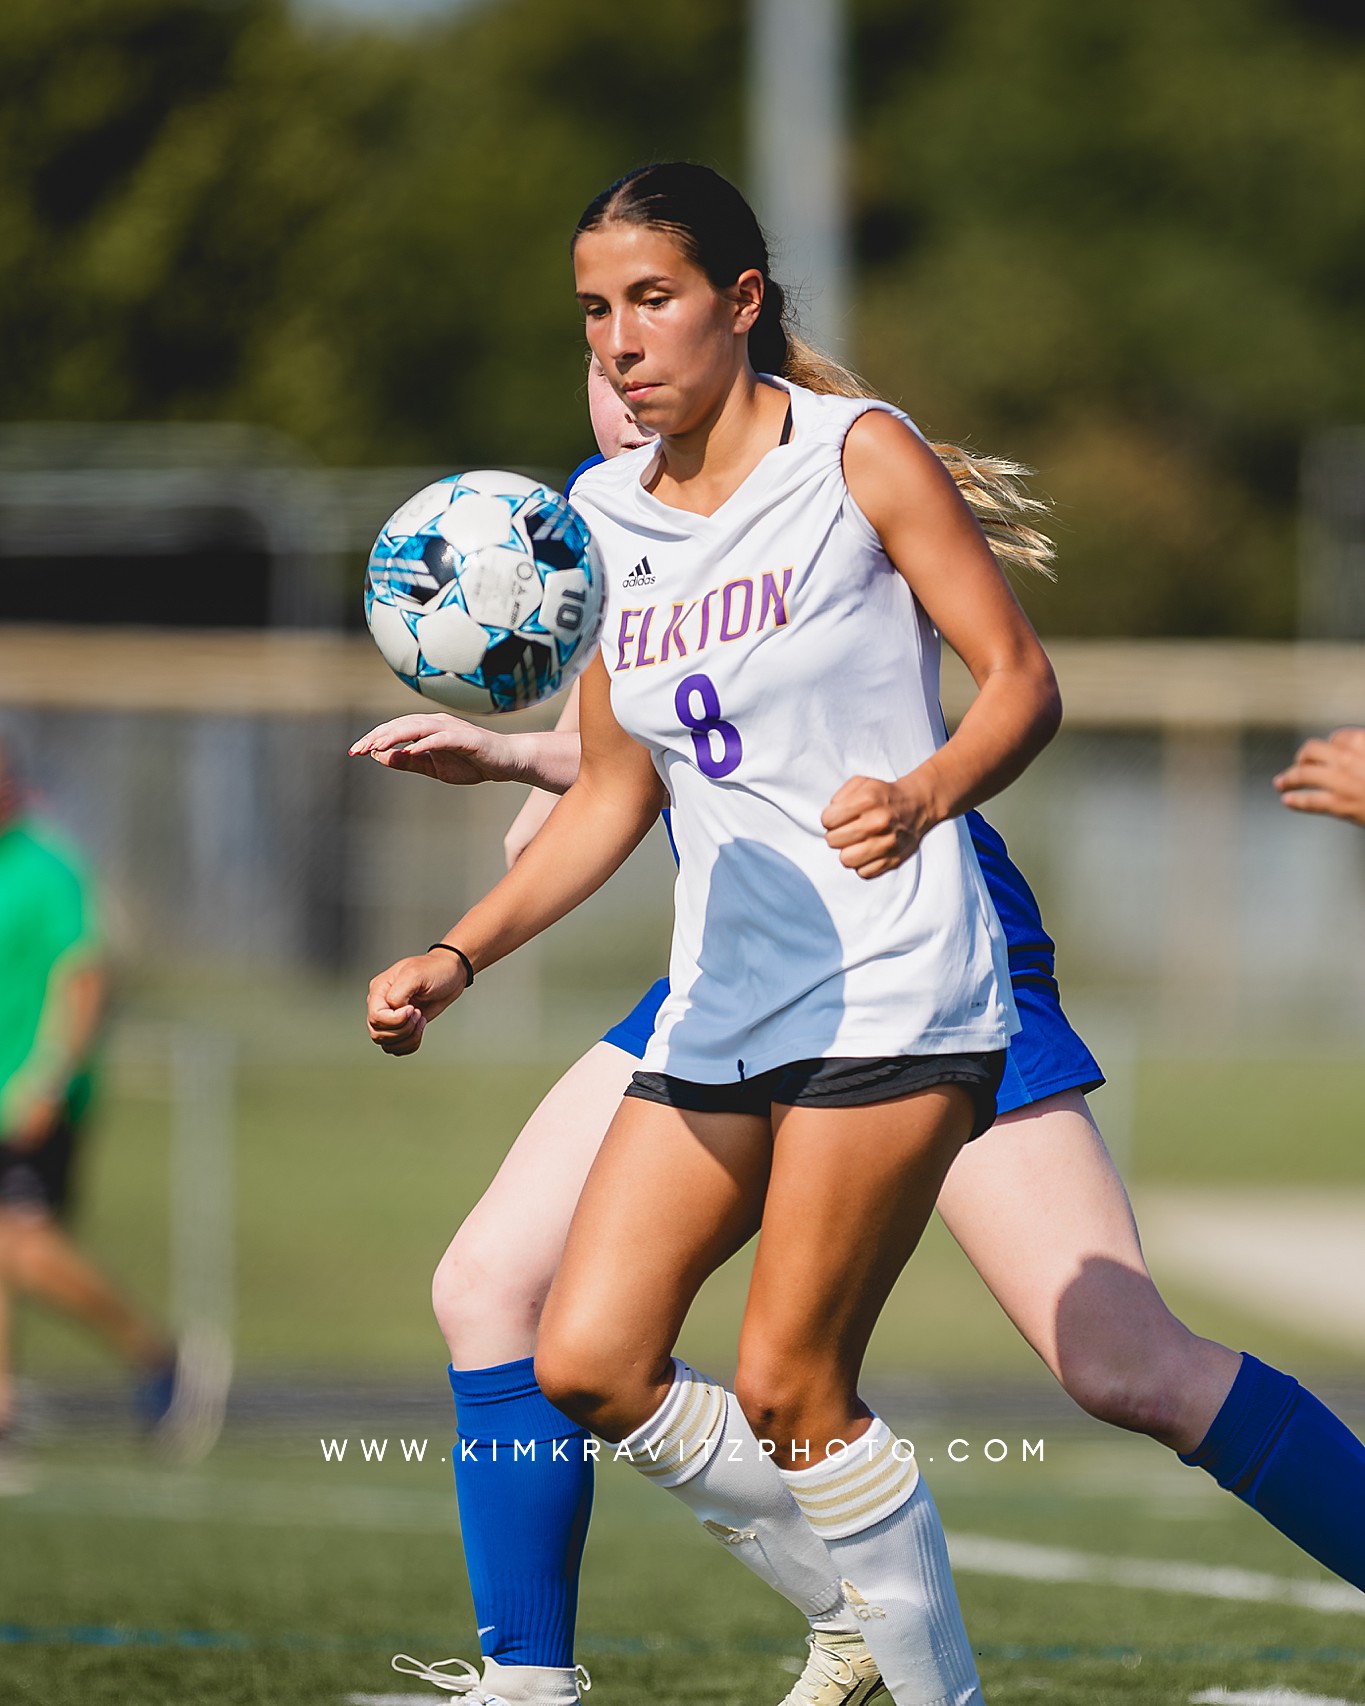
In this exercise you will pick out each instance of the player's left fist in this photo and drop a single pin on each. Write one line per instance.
(407, 995)
(1328, 776)
(874, 826)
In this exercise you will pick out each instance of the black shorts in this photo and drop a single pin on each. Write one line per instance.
(841, 1082)
(40, 1179)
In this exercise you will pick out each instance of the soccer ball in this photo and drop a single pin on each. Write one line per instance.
(484, 592)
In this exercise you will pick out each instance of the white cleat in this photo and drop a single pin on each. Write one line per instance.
(498, 1685)
(840, 1671)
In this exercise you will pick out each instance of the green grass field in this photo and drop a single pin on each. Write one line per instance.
(267, 1575)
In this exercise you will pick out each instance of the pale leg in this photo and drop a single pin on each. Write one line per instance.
(1041, 1213)
(491, 1284)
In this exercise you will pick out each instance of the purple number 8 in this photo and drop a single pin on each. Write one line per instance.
(708, 724)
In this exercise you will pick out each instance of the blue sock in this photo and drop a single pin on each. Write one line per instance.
(1288, 1457)
(523, 1518)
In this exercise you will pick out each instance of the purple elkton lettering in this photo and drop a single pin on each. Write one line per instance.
(728, 629)
(705, 620)
(623, 638)
(673, 632)
(641, 661)
(774, 600)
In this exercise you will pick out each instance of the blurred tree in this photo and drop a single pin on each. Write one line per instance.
(209, 210)
(1123, 243)
(144, 190)
(1127, 244)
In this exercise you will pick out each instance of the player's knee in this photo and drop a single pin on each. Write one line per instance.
(472, 1289)
(456, 1290)
(773, 1398)
(575, 1380)
(1137, 1397)
(597, 1383)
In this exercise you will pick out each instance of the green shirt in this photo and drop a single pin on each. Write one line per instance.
(47, 924)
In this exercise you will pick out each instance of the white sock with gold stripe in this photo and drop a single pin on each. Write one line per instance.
(876, 1518)
(699, 1446)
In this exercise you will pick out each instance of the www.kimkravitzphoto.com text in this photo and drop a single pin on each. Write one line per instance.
(374, 1450)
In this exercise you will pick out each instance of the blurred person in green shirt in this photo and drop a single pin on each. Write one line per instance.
(53, 985)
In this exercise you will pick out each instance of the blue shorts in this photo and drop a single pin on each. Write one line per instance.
(1045, 1056)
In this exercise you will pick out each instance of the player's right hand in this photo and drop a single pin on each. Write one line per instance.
(412, 991)
(446, 748)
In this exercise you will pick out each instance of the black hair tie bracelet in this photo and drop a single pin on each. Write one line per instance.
(462, 957)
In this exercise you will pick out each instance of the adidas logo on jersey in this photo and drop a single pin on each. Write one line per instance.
(640, 575)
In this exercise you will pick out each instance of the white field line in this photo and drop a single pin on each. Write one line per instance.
(432, 1699)
(984, 1556)
(1263, 1697)
(270, 1504)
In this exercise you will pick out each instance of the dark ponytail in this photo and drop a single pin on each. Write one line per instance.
(768, 343)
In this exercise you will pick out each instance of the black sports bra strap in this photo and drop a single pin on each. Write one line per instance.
(787, 425)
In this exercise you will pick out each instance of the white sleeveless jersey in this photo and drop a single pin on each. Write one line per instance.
(764, 655)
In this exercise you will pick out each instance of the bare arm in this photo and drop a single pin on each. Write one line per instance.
(596, 826)
(934, 541)
(1328, 777)
(448, 749)
(534, 815)
(71, 1019)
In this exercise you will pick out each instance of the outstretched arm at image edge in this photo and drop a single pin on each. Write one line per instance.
(1327, 777)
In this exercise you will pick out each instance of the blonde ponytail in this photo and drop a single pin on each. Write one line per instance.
(990, 485)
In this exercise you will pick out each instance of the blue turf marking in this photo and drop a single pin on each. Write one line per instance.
(630, 1646)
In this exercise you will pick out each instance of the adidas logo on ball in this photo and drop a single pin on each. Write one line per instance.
(640, 575)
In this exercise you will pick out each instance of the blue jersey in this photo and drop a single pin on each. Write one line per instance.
(1045, 1055)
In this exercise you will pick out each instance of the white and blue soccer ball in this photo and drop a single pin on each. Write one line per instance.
(484, 592)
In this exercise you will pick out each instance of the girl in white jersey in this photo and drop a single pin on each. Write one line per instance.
(788, 1086)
